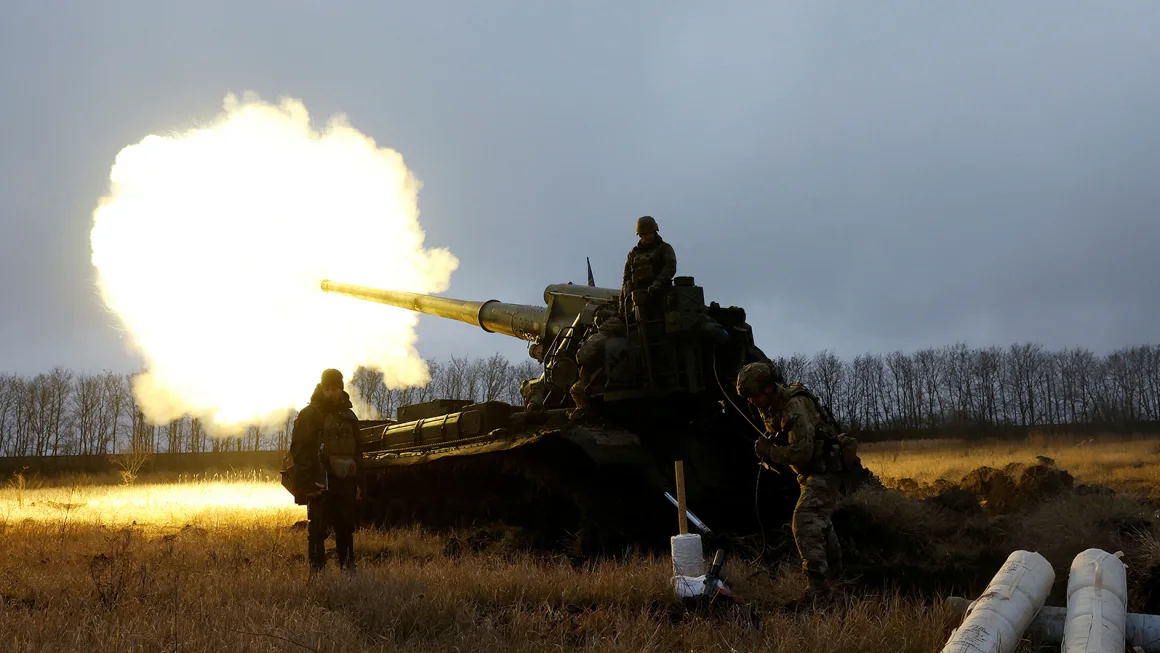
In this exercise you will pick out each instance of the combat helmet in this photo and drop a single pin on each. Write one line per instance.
(646, 224)
(755, 378)
(610, 324)
(606, 320)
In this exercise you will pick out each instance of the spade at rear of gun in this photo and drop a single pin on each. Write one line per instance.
(597, 483)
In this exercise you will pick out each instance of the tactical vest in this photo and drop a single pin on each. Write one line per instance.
(339, 445)
(645, 263)
(834, 452)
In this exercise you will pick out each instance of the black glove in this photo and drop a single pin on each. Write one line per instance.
(781, 438)
(763, 447)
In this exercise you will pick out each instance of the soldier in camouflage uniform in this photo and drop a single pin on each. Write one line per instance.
(590, 357)
(328, 464)
(648, 275)
(804, 436)
(649, 268)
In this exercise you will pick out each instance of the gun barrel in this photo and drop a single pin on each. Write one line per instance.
(515, 320)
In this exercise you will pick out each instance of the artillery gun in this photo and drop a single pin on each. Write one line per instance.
(597, 483)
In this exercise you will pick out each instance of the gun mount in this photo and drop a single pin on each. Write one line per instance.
(665, 395)
(680, 360)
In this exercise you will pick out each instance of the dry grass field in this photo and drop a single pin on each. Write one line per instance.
(217, 565)
(1127, 464)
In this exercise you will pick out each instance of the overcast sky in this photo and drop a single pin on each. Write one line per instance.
(860, 176)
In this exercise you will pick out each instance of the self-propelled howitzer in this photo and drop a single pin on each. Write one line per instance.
(665, 394)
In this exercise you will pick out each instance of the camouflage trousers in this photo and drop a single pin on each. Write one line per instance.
(579, 392)
(580, 389)
(812, 529)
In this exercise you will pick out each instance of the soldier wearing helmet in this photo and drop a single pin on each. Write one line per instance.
(650, 266)
(803, 434)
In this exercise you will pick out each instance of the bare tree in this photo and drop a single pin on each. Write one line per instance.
(88, 399)
(61, 412)
(113, 409)
(131, 460)
(495, 375)
(175, 435)
(9, 395)
(196, 436)
(60, 388)
(825, 375)
(794, 368)
(282, 440)
(522, 371)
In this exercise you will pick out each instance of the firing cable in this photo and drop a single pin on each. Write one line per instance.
(720, 386)
(757, 481)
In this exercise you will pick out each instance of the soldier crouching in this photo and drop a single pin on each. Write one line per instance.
(591, 359)
(805, 437)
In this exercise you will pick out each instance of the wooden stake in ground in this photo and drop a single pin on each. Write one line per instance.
(683, 516)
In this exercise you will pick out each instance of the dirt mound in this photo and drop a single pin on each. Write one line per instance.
(998, 491)
(924, 546)
(957, 500)
(950, 538)
(1016, 486)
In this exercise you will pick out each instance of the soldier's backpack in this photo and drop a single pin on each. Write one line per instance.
(837, 451)
(302, 489)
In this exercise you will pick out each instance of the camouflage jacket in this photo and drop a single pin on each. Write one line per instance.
(591, 353)
(798, 426)
(604, 354)
(649, 265)
(309, 437)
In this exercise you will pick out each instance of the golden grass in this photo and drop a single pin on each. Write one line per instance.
(1129, 464)
(154, 505)
(218, 566)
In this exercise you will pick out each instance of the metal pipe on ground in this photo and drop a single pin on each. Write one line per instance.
(1142, 630)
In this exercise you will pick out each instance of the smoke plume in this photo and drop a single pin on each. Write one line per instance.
(211, 245)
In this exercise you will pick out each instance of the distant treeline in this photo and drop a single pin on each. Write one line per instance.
(62, 412)
(959, 388)
(952, 389)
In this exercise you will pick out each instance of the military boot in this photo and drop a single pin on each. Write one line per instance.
(836, 571)
(816, 595)
(818, 589)
(316, 553)
(344, 548)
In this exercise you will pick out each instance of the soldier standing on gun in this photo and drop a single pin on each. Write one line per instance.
(648, 270)
(328, 462)
(807, 439)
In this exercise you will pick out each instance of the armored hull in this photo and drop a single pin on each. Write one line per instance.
(594, 482)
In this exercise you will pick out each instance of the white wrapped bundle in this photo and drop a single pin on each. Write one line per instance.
(687, 586)
(688, 557)
(1113, 573)
(996, 621)
(1097, 597)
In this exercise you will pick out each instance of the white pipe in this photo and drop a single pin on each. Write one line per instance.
(1141, 630)
(689, 513)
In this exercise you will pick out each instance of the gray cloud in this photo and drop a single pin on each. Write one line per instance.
(860, 178)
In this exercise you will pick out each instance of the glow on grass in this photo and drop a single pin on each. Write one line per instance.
(156, 504)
